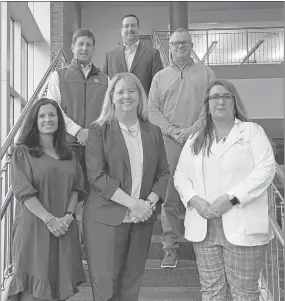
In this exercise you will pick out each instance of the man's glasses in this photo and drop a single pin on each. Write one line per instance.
(177, 43)
(217, 97)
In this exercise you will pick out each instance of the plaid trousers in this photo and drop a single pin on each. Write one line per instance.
(225, 267)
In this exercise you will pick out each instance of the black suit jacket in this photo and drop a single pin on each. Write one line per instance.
(108, 167)
(146, 64)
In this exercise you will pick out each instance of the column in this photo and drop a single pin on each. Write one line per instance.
(178, 12)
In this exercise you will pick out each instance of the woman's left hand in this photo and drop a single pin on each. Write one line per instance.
(222, 204)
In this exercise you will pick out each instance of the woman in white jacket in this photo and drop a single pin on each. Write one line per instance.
(222, 177)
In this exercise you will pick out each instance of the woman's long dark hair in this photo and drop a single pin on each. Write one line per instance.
(29, 135)
(205, 135)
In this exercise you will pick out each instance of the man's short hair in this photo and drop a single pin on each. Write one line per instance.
(131, 16)
(83, 32)
(179, 30)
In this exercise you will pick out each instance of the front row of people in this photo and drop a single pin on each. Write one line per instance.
(222, 177)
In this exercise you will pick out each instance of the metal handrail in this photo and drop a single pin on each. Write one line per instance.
(7, 200)
(238, 45)
(276, 230)
(161, 49)
(227, 28)
(23, 115)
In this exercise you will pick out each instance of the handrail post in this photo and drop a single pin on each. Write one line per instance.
(207, 44)
(246, 34)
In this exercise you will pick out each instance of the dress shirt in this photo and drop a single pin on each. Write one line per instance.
(176, 96)
(132, 137)
(53, 92)
(130, 54)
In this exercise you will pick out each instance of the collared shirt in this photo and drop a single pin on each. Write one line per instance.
(53, 92)
(132, 137)
(130, 54)
(176, 96)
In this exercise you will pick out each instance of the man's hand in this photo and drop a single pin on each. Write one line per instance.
(203, 207)
(222, 204)
(184, 134)
(142, 210)
(82, 136)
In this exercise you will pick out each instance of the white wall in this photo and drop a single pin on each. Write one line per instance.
(263, 97)
(105, 22)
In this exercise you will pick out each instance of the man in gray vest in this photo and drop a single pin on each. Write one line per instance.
(79, 88)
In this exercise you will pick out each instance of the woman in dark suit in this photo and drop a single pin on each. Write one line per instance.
(128, 174)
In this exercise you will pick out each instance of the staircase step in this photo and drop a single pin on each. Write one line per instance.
(184, 275)
(169, 294)
(150, 294)
(157, 227)
(185, 250)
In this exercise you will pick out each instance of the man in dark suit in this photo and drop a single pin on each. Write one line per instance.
(133, 56)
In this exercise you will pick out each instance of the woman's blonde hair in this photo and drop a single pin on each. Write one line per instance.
(205, 135)
(108, 108)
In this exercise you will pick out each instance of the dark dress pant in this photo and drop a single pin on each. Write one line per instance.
(116, 258)
(79, 150)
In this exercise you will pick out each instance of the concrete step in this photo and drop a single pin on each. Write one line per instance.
(185, 250)
(184, 275)
(157, 227)
(150, 294)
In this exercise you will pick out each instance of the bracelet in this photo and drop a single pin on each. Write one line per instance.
(49, 219)
(151, 203)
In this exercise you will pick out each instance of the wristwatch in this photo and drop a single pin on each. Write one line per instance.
(72, 214)
(234, 200)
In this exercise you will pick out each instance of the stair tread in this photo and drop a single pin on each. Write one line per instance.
(157, 238)
(183, 264)
(150, 294)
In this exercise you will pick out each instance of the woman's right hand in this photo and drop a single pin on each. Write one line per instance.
(58, 227)
(203, 207)
(142, 210)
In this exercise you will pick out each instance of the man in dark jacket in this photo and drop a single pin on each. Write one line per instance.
(133, 56)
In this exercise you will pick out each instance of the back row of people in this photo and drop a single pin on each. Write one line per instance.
(126, 160)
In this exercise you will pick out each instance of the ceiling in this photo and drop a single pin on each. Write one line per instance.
(195, 5)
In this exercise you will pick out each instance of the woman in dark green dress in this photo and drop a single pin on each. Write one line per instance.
(47, 182)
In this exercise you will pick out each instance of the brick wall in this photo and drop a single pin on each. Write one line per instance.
(65, 20)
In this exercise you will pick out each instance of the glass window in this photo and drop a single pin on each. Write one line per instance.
(11, 113)
(11, 56)
(24, 68)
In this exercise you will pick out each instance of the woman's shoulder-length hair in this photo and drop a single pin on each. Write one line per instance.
(108, 110)
(29, 134)
(203, 137)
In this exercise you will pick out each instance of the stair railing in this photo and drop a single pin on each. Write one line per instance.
(8, 203)
(158, 45)
(272, 276)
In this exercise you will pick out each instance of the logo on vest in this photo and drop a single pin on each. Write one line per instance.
(96, 80)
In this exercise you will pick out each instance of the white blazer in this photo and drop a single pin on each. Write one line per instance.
(247, 167)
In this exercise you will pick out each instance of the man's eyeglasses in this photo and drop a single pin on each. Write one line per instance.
(177, 43)
(217, 97)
